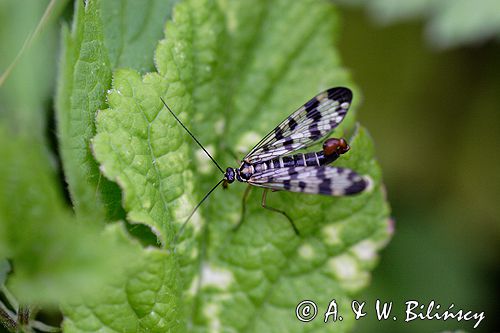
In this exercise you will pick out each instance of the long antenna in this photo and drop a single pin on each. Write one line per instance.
(198, 142)
(194, 210)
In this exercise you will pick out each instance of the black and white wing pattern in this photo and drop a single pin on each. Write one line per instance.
(313, 179)
(308, 124)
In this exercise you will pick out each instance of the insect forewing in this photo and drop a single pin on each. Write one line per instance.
(313, 179)
(308, 124)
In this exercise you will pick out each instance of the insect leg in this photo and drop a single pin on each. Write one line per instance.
(243, 207)
(264, 196)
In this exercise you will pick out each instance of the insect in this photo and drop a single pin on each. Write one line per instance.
(272, 164)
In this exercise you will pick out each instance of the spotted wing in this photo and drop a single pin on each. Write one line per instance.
(308, 124)
(313, 179)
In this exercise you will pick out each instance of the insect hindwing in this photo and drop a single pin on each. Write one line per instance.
(314, 179)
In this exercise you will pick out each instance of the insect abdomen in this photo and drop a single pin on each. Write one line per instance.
(297, 160)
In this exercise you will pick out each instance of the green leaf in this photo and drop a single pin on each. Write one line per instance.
(136, 152)
(232, 71)
(49, 248)
(105, 34)
(26, 91)
(272, 270)
(84, 77)
(145, 298)
(131, 30)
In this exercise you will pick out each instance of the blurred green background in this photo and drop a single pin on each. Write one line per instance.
(431, 100)
(434, 113)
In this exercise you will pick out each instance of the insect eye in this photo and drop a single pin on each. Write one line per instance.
(229, 176)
